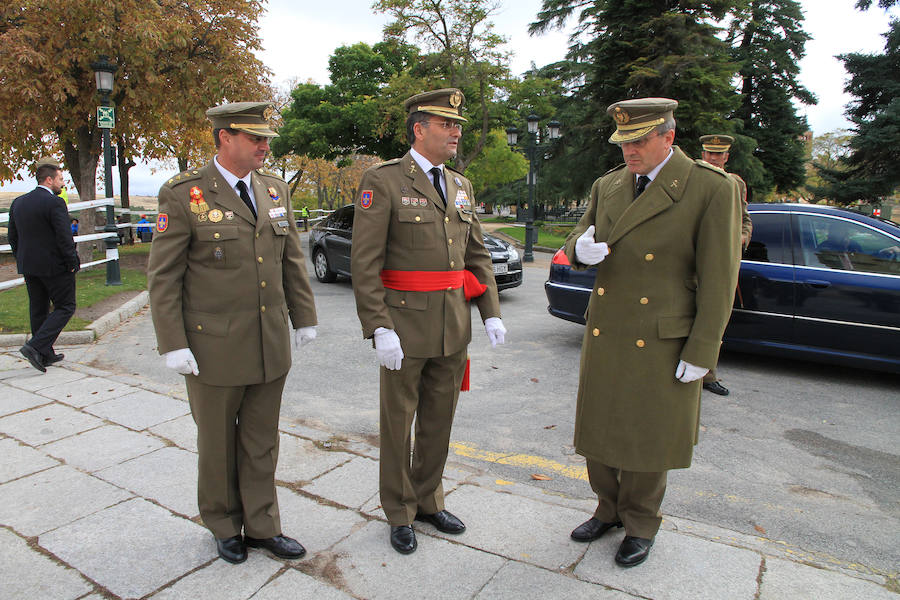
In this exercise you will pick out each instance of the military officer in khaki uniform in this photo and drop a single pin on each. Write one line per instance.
(417, 258)
(227, 282)
(715, 152)
(662, 230)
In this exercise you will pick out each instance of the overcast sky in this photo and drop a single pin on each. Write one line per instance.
(298, 38)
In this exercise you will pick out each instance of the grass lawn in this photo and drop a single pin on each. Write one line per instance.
(90, 287)
(548, 240)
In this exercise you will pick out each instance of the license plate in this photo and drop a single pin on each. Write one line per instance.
(500, 268)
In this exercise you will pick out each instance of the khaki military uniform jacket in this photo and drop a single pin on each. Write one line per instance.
(663, 294)
(395, 233)
(226, 285)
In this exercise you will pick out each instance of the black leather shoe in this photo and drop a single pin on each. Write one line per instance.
(232, 549)
(34, 357)
(592, 529)
(443, 520)
(633, 551)
(53, 358)
(716, 388)
(403, 539)
(280, 546)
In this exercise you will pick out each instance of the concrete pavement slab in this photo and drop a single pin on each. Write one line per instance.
(301, 460)
(294, 584)
(133, 548)
(19, 460)
(317, 526)
(46, 500)
(785, 579)
(181, 431)
(10, 361)
(515, 527)
(26, 573)
(516, 581)
(167, 476)
(25, 370)
(367, 567)
(679, 566)
(89, 390)
(13, 400)
(140, 410)
(294, 427)
(223, 581)
(47, 424)
(102, 447)
(351, 484)
(35, 380)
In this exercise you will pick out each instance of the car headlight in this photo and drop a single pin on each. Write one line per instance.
(513, 254)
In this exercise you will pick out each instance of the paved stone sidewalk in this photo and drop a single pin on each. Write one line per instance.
(98, 500)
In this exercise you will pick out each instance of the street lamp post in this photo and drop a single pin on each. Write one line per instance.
(104, 72)
(532, 149)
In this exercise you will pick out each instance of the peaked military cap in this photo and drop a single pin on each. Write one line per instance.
(47, 161)
(445, 103)
(249, 117)
(636, 118)
(716, 142)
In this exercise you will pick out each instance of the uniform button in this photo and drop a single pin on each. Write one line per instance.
(452, 264)
(446, 219)
(450, 241)
(639, 343)
(217, 235)
(199, 327)
(257, 234)
(262, 308)
(600, 291)
(262, 284)
(596, 332)
(403, 302)
(648, 257)
(259, 259)
(645, 300)
(418, 218)
(449, 289)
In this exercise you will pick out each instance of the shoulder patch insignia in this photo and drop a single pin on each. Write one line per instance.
(162, 222)
(366, 199)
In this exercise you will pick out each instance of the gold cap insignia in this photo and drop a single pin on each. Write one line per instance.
(455, 99)
(267, 114)
(621, 116)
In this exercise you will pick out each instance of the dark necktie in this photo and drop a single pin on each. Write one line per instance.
(245, 196)
(642, 182)
(436, 178)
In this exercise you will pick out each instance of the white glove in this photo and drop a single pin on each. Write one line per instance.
(589, 252)
(495, 330)
(304, 335)
(685, 372)
(182, 361)
(388, 349)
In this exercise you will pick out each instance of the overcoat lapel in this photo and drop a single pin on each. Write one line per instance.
(421, 182)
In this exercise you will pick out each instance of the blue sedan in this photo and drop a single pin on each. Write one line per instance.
(816, 283)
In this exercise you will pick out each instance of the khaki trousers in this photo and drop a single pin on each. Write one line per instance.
(629, 496)
(237, 442)
(427, 389)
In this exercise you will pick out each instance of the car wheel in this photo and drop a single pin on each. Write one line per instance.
(323, 272)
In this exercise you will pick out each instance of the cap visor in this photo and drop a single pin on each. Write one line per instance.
(448, 114)
(260, 131)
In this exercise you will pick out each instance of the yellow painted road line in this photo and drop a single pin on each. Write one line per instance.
(536, 463)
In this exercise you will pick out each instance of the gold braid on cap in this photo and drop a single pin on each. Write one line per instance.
(652, 123)
(249, 125)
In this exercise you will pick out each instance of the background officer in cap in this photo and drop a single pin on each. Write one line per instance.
(662, 230)
(41, 238)
(226, 278)
(715, 152)
(416, 240)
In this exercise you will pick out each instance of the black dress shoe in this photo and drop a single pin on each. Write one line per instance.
(633, 551)
(443, 520)
(34, 357)
(232, 549)
(53, 358)
(280, 546)
(403, 539)
(592, 529)
(716, 388)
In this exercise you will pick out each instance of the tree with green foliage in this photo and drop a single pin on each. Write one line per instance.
(767, 42)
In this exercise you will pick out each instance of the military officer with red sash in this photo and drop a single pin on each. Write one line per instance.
(418, 259)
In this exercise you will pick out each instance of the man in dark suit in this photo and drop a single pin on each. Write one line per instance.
(41, 240)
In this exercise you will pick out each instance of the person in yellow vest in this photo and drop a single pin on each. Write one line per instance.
(64, 194)
(715, 152)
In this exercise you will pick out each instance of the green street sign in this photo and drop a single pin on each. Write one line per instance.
(106, 117)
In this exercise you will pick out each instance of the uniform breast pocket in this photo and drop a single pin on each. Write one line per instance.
(218, 247)
(281, 229)
(416, 229)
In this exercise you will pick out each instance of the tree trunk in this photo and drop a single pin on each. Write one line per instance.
(82, 162)
(124, 165)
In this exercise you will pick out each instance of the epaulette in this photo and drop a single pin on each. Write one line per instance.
(616, 168)
(706, 165)
(182, 177)
(393, 161)
(269, 173)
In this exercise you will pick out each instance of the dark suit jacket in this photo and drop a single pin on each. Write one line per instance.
(40, 234)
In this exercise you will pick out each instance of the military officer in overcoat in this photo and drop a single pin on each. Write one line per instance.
(418, 256)
(228, 282)
(715, 152)
(663, 232)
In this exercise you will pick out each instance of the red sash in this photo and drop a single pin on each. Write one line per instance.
(431, 281)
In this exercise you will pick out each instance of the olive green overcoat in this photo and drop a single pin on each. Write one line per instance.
(663, 294)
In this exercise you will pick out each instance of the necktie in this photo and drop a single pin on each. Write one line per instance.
(436, 178)
(642, 182)
(245, 196)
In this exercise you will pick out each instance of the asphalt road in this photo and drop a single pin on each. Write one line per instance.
(799, 453)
